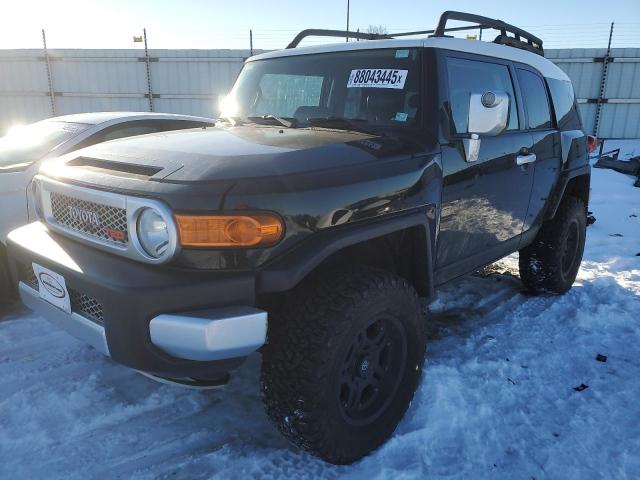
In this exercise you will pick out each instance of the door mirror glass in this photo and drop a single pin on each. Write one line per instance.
(488, 112)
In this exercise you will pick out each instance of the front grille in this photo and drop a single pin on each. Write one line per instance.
(89, 219)
(28, 276)
(81, 303)
(86, 306)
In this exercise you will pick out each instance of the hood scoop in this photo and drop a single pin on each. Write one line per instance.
(115, 168)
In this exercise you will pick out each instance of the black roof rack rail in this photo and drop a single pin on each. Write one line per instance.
(532, 43)
(426, 32)
(320, 32)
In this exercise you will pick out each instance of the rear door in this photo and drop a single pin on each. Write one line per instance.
(484, 202)
(546, 142)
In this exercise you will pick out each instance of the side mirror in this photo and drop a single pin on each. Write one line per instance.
(488, 115)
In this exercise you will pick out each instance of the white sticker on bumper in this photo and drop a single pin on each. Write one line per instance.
(52, 287)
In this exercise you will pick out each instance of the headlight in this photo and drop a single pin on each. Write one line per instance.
(153, 232)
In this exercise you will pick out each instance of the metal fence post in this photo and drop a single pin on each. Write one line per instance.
(603, 84)
(148, 63)
(49, 75)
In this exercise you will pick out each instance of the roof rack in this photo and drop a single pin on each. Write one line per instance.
(319, 32)
(532, 43)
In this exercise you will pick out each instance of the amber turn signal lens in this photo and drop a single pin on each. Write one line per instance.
(229, 230)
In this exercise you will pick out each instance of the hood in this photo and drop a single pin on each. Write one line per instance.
(223, 154)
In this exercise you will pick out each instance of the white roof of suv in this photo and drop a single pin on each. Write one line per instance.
(544, 66)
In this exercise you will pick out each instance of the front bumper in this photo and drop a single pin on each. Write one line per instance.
(161, 320)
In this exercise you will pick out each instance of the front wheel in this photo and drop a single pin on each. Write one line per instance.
(343, 361)
(551, 263)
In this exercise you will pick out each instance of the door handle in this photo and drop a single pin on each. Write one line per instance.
(524, 159)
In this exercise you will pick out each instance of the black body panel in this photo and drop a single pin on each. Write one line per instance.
(314, 178)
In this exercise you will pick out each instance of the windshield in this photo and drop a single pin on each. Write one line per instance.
(372, 88)
(24, 145)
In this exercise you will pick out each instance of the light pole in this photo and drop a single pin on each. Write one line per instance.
(348, 20)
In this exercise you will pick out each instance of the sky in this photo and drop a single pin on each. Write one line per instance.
(226, 24)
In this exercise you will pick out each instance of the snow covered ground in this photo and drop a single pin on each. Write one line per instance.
(497, 398)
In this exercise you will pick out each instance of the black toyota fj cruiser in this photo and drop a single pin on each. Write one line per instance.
(342, 183)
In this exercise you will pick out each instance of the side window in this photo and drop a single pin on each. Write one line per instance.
(535, 99)
(564, 103)
(282, 94)
(471, 76)
(129, 130)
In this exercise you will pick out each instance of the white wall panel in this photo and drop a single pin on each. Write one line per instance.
(191, 81)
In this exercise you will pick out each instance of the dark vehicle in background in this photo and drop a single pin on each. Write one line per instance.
(24, 148)
(343, 182)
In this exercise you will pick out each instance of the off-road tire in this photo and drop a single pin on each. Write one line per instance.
(312, 340)
(550, 264)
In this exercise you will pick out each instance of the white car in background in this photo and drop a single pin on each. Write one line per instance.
(24, 148)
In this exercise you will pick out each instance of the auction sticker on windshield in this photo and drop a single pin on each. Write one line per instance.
(52, 287)
(377, 78)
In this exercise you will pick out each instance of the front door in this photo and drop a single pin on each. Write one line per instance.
(484, 202)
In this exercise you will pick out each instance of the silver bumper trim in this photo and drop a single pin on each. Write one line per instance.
(207, 335)
(76, 325)
(203, 335)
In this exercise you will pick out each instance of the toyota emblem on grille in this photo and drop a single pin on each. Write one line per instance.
(83, 215)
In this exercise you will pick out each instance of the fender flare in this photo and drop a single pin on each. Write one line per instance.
(287, 270)
(558, 193)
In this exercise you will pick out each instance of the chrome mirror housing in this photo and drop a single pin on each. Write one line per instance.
(488, 115)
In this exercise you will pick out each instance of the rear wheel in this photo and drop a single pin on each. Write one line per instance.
(551, 262)
(343, 361)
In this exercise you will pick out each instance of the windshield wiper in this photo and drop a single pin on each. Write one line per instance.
(292, 123)
(343, 123)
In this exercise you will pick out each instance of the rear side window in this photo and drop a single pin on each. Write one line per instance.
(535, 99)
(470, 76)
(564, 103)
